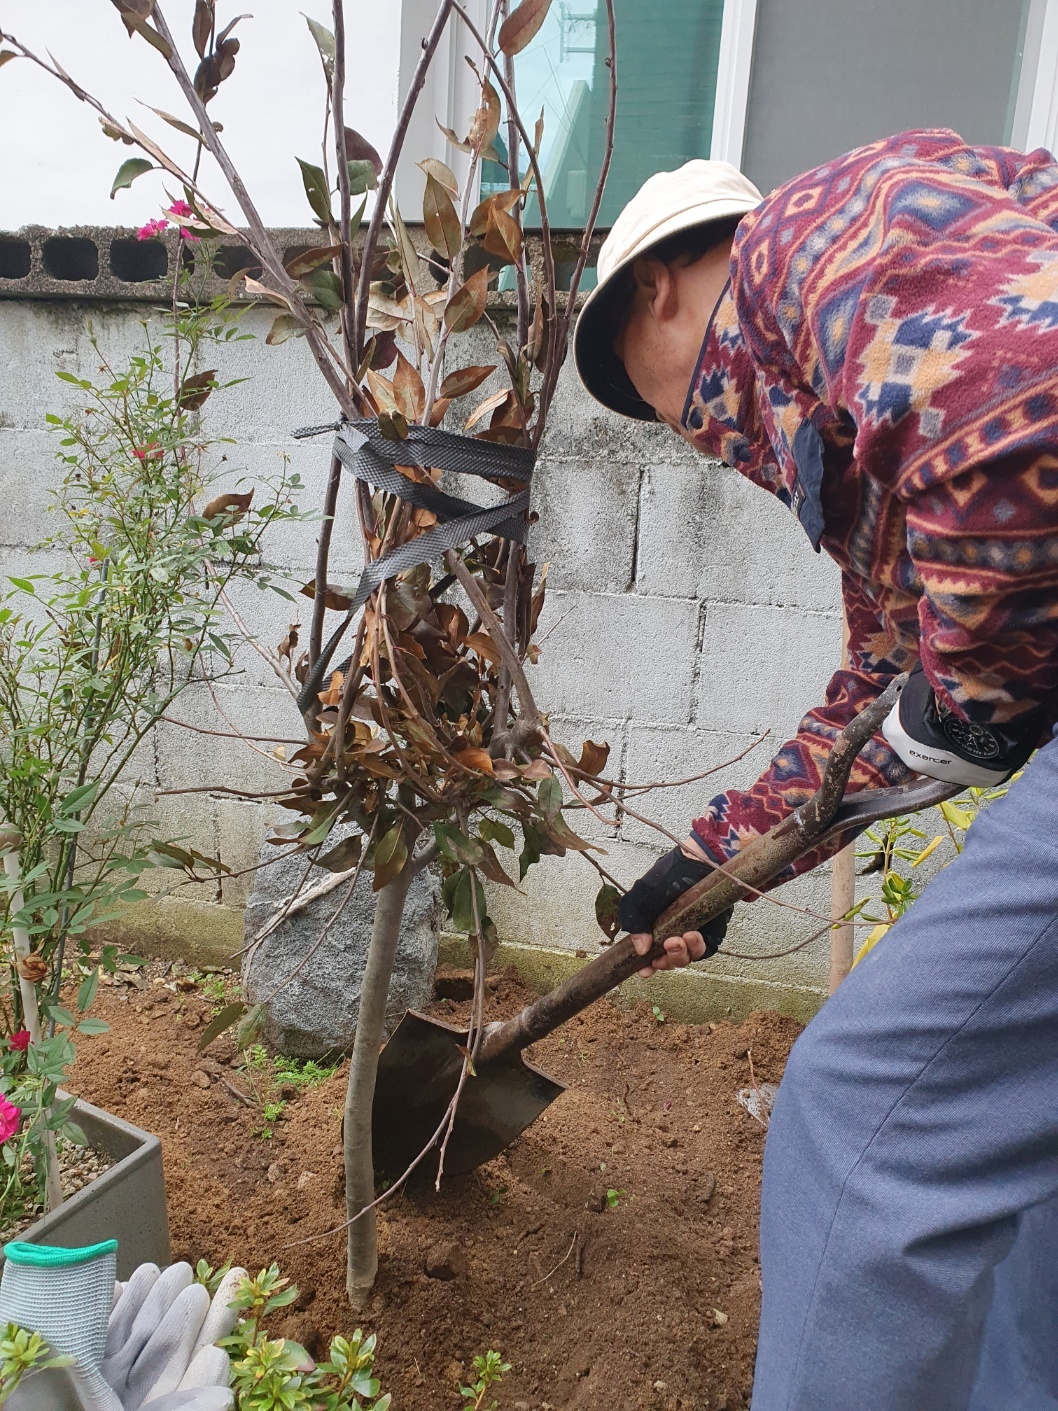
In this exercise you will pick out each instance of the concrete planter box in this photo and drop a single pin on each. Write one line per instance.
(126, 1203)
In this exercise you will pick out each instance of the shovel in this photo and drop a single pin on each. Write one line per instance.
(420, 1067)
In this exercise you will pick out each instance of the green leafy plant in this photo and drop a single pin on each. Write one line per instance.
(613, 1198)
(95, 652)
(21, 1354)
(491, 1370)
(898, 846)
(277, 1374)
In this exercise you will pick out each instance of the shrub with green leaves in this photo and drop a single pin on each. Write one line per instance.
(94, 652)
(277, 1374)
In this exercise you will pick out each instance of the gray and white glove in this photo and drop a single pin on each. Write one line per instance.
(933, 740)
(159, 1350)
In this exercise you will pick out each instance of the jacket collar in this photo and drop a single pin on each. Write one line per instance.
(722, 412)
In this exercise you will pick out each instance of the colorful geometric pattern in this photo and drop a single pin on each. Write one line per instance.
(903, 299)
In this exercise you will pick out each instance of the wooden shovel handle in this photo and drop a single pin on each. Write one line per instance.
(759, 861)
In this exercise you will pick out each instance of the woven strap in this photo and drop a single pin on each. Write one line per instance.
(370, 457)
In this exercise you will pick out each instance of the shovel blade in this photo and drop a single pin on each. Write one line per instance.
(418, 1072)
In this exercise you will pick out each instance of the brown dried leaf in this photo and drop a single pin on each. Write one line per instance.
(195, 390)
(457, 142)
(464, 380)
(593, 757)
(500, 200)
(202, 25)
(408, 389)
(33, 968)
(484, 408)
(232, 506)
(442, 223)
(358, 149)
(284, 326)
(467, 304)
(382, 390)
(438, 410)
(522, 25)
(337, 599)
(483, 644)
(486, 123)
(503, 237)
(308, 260)
(441, 173)
(470, 757)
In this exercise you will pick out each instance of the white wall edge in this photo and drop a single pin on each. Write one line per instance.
(1041, 129)
(732, 80)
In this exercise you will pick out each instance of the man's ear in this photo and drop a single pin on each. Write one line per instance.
(657, 287)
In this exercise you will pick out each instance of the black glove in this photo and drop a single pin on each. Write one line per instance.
(932, 740)
(668, 879)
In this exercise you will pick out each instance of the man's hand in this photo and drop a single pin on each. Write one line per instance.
(935, 742)
(671, 876)
(679, 950)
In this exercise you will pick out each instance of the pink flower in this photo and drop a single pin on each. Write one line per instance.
(10, 1116)
(179, 208)
(188, 235)
(151, 452)
(151, 229)
(19, 1041)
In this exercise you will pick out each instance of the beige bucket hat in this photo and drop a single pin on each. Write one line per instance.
(698, 193)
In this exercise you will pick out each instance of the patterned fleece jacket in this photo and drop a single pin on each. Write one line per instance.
(884, 360)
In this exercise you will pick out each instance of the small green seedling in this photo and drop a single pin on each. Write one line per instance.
(657, 1012)
(613, 1198)
(491, 1370)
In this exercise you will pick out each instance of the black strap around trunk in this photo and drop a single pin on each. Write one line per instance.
(372, 458)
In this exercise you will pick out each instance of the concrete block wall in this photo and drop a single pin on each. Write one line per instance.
(687, 615)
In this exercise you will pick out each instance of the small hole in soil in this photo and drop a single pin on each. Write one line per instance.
(454, 987)
(136, 261)
(15, 258)
(70, 257)
(231, 260)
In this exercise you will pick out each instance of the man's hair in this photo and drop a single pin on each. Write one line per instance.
(686, 247)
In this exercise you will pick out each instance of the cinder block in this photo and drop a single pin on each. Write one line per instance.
(292, 543)
(763, 667)
(190, 821)
(266, 617)
(241, 828)
(555, 905)
(189, 758)
(572, 732)
(283, 390)
(616, 656)
(659, 753)
(28, 475)
(587, 525)
(705, 531)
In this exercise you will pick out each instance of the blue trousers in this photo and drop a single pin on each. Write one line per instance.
(909, 1215)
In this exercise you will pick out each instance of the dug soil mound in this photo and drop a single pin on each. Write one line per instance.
(610, 1255)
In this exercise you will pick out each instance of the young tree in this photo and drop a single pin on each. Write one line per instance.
(421, 726)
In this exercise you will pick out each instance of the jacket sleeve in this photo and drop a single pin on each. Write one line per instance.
(875, 657)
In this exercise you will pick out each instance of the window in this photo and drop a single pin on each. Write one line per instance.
(828, 75)
(666, 64)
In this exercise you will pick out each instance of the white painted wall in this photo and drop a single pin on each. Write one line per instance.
(56, 166)
(686, 614)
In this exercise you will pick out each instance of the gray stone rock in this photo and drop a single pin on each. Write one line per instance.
(315, 1013)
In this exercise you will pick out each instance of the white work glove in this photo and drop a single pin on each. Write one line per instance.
(160, 1337)
(934, 741)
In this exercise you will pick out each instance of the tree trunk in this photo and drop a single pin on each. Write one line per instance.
(362, 1255)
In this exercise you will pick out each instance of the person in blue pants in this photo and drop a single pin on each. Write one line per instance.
(876, 344)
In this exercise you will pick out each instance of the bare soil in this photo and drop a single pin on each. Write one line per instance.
(610, 1255)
